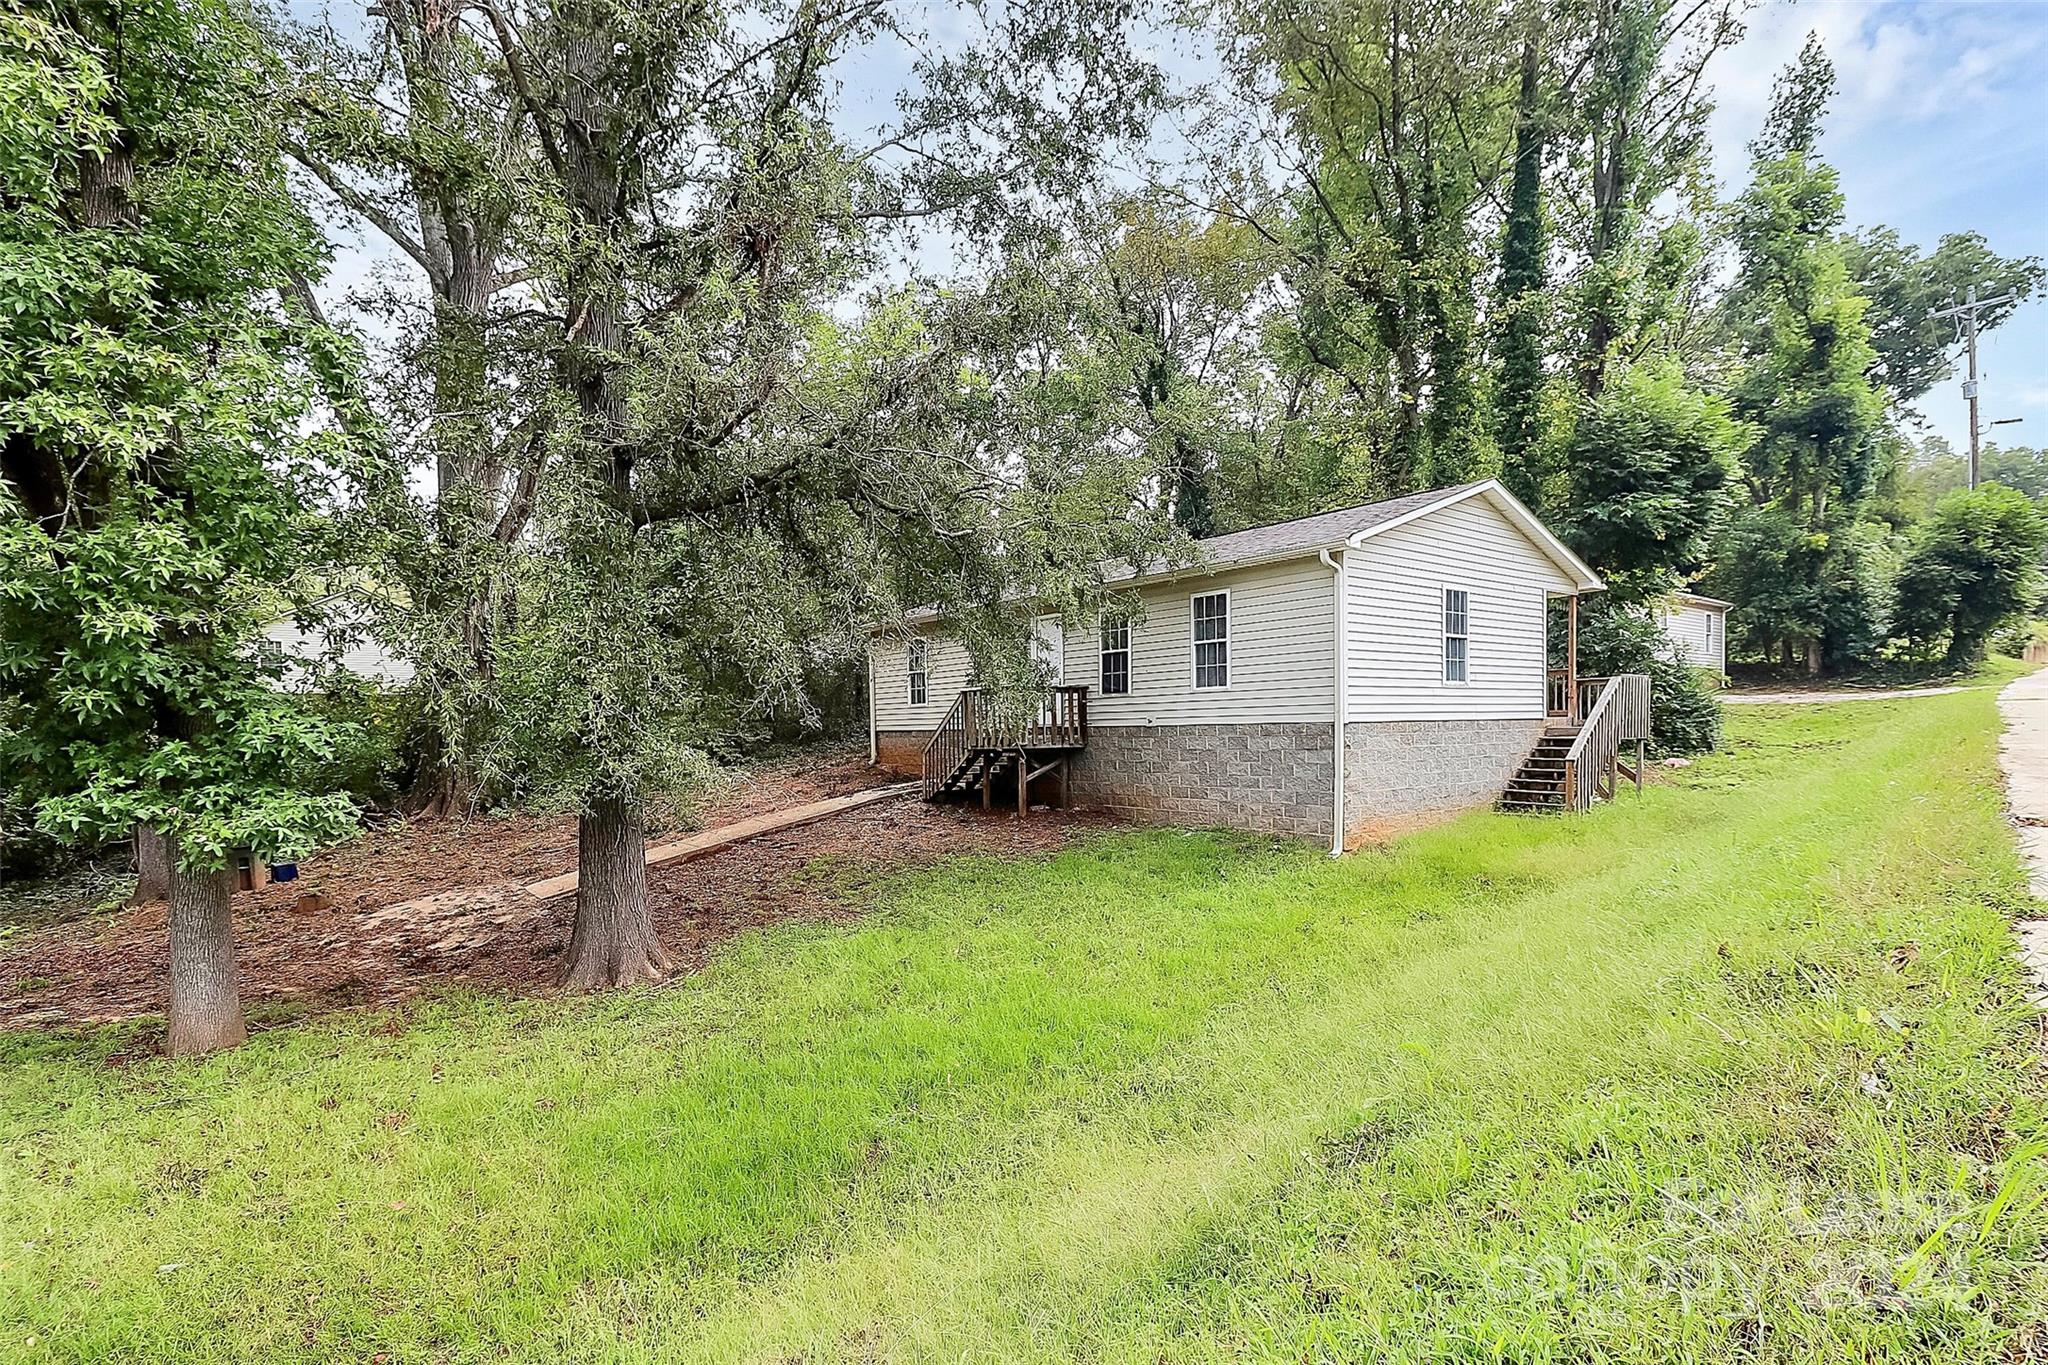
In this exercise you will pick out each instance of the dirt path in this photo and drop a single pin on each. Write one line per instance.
(1830, 694)
(2023, 757)
(422, 905)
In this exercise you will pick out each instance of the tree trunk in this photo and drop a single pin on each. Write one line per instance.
(152, 866)
(1812, 656)
(206, 1004)
(613, 943)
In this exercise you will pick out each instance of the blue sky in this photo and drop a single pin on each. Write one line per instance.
(1940, 125)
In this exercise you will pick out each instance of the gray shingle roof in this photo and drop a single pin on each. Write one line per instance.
(1305, 535)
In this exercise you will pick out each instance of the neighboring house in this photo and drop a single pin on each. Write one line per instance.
(340, 640)
(1415, 628)
(1698, 629)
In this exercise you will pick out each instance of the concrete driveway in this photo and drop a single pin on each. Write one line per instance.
(2023, 758)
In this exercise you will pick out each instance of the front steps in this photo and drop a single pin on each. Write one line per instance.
(1538, 785)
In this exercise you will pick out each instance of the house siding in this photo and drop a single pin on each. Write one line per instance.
(1282, 658)
(363, 657)
(1282, 652)
(1393, 630)
(948, 668)
(1687, 626)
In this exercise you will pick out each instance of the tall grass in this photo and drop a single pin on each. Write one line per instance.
(1736, 1071)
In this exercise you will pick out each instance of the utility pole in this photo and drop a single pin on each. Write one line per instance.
(1967, 310)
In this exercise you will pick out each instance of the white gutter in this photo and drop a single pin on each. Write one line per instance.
(874, 747)
(1336, 568)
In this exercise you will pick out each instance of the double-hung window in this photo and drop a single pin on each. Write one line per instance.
(918, 655)
(1116, 656)
(1210, 622)
(1457, 634)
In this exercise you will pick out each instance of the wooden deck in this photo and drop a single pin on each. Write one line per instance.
(976, 747)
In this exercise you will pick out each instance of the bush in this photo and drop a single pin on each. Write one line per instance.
(2014, 639)
(1975, 568)
(382, 737)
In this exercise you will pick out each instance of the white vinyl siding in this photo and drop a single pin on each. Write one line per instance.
(1395, 618)
(1698, 634)
(314, 649)
(946, 672)
(1282, 651)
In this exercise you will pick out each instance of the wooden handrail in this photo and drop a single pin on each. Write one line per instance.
(1619, 714)
(1060, 721)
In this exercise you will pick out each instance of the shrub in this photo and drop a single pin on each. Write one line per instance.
(1975, 567)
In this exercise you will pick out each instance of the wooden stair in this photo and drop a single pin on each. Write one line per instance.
(1578, 761)
(976, 749)
(1539, 784)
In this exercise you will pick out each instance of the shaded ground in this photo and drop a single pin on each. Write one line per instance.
(418, 904)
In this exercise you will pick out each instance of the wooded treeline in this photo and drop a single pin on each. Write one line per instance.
(663, 404)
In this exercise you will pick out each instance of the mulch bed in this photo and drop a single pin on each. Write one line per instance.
(468, 925)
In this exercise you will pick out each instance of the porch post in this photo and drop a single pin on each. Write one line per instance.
(1571, 659)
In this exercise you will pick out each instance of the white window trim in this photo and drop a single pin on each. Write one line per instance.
(911, 672)
(1102, 652)
(1444, 636)
(1229, 660)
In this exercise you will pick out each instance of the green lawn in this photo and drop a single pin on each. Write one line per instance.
(1738, 1071)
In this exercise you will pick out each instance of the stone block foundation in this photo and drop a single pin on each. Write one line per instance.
(1271, 779)
(901, 751)
(1398, 770)
(1275, 778)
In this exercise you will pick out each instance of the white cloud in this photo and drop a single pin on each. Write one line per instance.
(1896, 65)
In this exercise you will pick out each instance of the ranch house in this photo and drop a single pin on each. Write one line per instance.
(1367, 667)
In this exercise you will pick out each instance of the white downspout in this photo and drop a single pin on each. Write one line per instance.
(874, 747)
(1336, 568)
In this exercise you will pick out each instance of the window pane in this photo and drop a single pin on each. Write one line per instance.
(916, 657)
(1212, 639)
(1454, 611)
(1454, 658)
(1116, 673)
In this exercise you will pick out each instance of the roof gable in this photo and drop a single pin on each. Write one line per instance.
(1514, 511)
(1353, 526)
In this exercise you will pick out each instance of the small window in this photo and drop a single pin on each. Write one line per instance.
(1715, 624)
(918, 655)
(1116, 656)
(1211, 625)
(1457, 626)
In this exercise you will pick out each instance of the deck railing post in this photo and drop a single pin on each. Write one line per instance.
(1571, 659)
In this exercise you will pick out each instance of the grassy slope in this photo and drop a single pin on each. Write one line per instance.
(1697, 1077)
